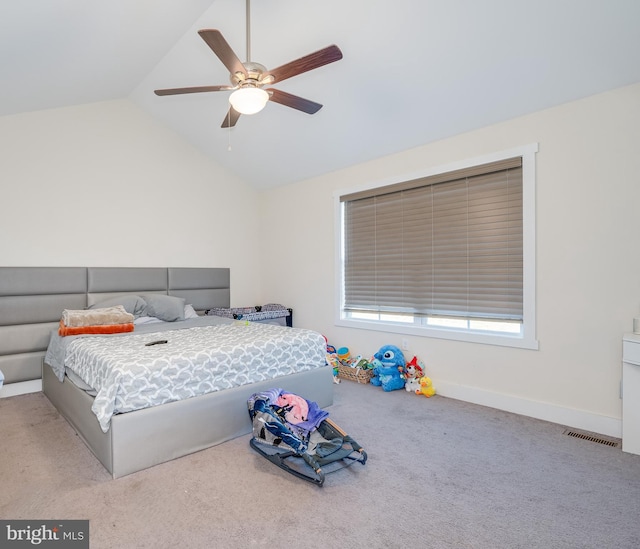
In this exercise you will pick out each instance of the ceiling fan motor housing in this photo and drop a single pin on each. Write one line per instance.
(253, 76)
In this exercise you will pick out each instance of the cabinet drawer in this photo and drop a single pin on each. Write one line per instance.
(631, 352)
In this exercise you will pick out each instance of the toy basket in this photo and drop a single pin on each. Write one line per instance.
(355, 374)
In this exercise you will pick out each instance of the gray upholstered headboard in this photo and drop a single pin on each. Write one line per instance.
(32, 300)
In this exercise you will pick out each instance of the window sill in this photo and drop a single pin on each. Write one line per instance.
(484, 338)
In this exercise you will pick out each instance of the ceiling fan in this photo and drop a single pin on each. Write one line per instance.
(248, 79)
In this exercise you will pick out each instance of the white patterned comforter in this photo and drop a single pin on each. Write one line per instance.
(128, 375)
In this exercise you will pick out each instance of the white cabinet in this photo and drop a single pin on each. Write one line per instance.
(631, 393)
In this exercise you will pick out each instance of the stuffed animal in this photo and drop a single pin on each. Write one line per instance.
(375, 367)
(426, 387)
(415, 368)
(388, 374)
(413, 372)
(412, 385)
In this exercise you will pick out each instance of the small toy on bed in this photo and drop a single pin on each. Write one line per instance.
(388, 366)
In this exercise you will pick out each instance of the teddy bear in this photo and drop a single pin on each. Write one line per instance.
(426, 387)
(388, 365)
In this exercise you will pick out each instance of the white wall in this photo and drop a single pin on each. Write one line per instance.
(104, 185)
(588, 262)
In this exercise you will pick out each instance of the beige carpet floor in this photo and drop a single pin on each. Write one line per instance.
(441, 473)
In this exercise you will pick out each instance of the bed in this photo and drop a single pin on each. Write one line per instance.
(134, 438)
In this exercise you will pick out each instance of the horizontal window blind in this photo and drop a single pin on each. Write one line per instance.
(447, 245)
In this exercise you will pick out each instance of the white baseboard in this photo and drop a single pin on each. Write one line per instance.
(21, 388)
(578, 419)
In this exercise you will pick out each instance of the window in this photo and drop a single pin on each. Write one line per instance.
(446, 254)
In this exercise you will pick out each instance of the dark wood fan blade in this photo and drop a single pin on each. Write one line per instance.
(231, 118)
(222, 49)
(307, 63)
(197, 89)
(293, 101)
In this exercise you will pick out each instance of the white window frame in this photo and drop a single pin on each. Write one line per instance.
(526, 339)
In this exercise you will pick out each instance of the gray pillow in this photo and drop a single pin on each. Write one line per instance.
(133, 304)
(165, 307)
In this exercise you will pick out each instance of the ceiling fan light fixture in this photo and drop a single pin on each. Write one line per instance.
(249, 100)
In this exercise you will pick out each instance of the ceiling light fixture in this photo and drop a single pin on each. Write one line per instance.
(249, 100)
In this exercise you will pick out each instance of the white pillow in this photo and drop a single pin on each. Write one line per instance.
(189, 312)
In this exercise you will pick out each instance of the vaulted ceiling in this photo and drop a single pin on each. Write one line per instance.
(413, 71)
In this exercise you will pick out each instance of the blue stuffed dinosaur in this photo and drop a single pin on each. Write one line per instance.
(388, 365)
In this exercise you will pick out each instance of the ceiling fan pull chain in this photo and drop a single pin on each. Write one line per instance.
(229, 126)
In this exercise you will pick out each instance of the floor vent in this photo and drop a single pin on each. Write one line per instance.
(615, 443)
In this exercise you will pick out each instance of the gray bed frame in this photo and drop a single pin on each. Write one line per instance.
(31, 303)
